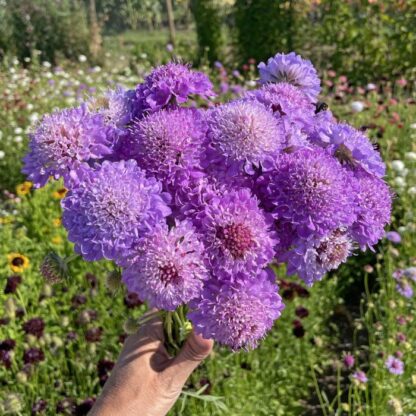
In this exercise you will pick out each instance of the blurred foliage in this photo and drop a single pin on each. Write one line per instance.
(208, 22)
(55, 28)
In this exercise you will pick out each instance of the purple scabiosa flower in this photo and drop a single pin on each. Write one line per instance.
(404, 288)
(34, 326)
(410, 273)
(312, 258)
(104, 368)
(287, 102)
(39, 407)
(33, 356)
(394, 365)
(171, 85)
(93, 334)
(236, 233)
(132, 300)
(350, 146)
(84, 407)
(243, 135)
(63, 140)
(310, 189)
(348, 361)
(360, 377)
(301, 312)
(394, 237)
(237, 312)
(168, 141)
(167, 266)
(291, 68)
(110, 208)
(117, 106)
(12, 284)
(374, 201)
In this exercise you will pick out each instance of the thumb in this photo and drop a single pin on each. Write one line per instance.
(195, 350)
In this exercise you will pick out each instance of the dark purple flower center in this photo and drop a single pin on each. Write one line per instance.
(236, 238)
(17, 261)
(168, 273)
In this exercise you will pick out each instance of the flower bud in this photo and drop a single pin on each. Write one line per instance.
(10, 308)
(113, 281)
(130, 326)
(54, 268)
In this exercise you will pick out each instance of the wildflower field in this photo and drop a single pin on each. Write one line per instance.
(347, 346)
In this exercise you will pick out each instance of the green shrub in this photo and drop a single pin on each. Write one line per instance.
(208, 21)
(53, 28)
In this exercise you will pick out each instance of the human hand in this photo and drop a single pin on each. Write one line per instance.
(146, 380)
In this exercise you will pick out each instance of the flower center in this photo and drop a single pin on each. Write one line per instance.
(168, 273)
(236, 238)
(17, 261)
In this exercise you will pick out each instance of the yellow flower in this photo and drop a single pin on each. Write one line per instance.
(6, 220)
(60, 193)
(56, 222)
(57, 239)
(24, 188)
(17, 262)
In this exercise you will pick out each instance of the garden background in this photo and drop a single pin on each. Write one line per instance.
(327, 354)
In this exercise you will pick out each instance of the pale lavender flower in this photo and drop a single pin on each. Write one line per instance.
(110, 208)
(291, 68)
(166, 268)
(360, 377)
(394, 365)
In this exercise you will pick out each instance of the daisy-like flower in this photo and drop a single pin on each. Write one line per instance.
(311, 190)
(237, 312)
(60, 193)
(374, 201)
(291, 68)
(311, 259)
(394, 365)
(287, 102)
(237, 234)
(110, 208)
(18, 263)
(360, 377)
(62, 141)
(242, 134)
(351, 147)
(169, 86)
(168, 141)
(24, 188)
(167, 266)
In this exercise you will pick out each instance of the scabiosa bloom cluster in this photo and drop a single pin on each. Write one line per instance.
(242, 134)
(237, 234)
(168, 141)
(312, 191)
(171, 85)
(311, 259)
(110, 207)
(394, 365)
(287, 102)
(374, 209)
(293, 69)
(351, 147)
(239, 313)
(167, 267)
(195, 205)
(63, 140)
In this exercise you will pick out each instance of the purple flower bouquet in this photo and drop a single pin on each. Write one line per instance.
(195, 204)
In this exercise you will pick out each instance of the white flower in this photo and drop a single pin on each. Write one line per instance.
(82, 58)
(399, 182)
(413, 126)
(401, 229)
(18, 139)
(251, 83)
(371, 87)
(397, 165)
(18, 130)
(357, 106)
(2, 154)
(410, 155)
(46, 64)
(412, 190)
